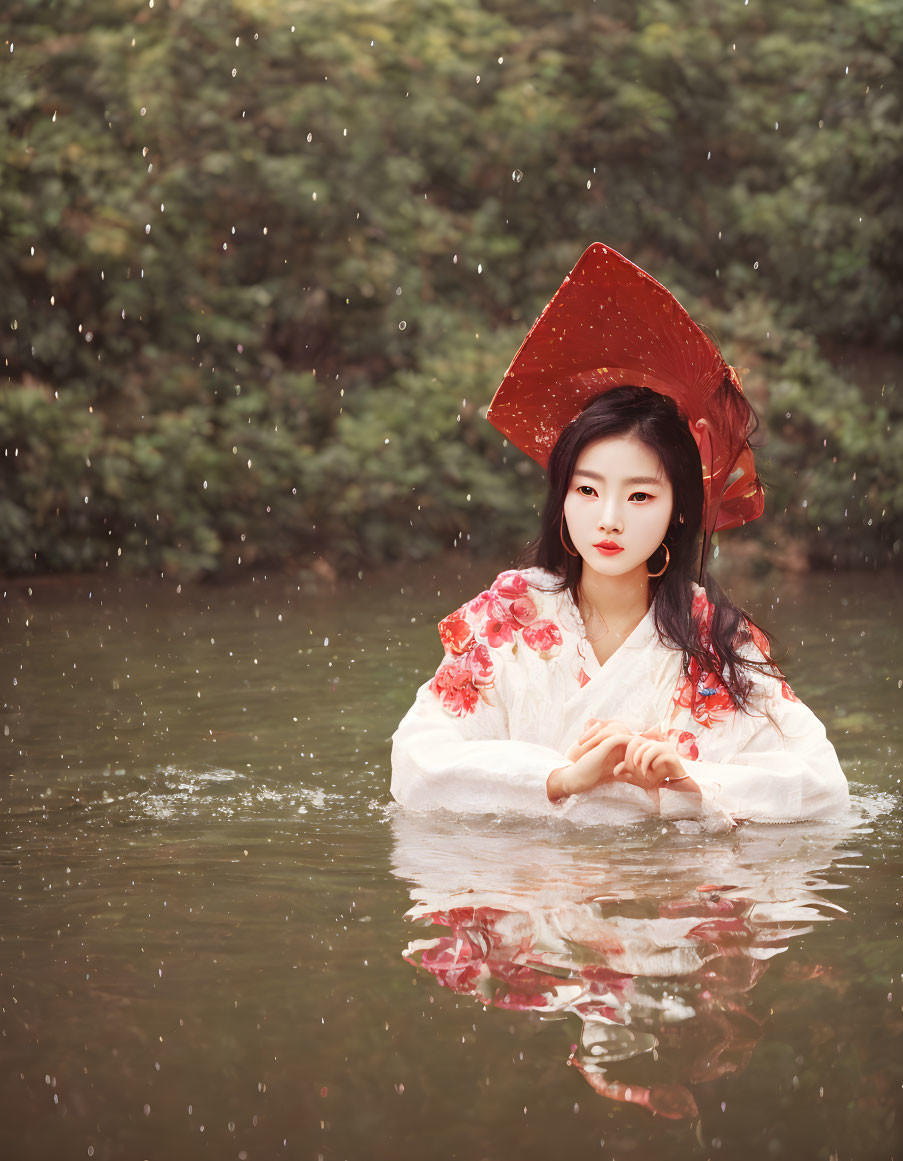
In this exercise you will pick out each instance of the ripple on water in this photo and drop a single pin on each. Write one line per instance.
(226, 795)
(120, 799)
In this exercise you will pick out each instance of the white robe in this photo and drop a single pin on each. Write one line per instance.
(519, 681)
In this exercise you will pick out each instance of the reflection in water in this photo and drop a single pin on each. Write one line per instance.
(653, 939)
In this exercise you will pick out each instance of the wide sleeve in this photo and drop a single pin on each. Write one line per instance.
(770, 763)
(453, 748)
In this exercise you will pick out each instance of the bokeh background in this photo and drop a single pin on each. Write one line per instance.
(263, 264)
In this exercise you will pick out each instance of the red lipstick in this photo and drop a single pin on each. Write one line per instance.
(608, 547)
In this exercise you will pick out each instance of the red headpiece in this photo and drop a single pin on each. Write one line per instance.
(610, 323)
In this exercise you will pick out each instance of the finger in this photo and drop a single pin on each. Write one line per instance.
(643, 757)
(598, 734)
(635, 749)
(577, 752)
(590, 727)
(649, 755)
(660, 762)
(607, 754)
(636, 761)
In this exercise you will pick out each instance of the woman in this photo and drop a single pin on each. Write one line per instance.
(602, 683)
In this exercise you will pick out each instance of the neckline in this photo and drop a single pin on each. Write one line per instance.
(587, 653)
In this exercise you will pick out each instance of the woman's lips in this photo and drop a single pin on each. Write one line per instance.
(608, 547)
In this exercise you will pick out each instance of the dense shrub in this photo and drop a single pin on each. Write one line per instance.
(243, 245)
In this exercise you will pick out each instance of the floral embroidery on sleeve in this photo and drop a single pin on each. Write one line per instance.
(684, 742)
(701, 691)
(500, 616)
(455, 634)
(544, 637)
(704, 695)
(461, 680)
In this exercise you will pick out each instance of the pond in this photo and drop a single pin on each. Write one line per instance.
(220, 938)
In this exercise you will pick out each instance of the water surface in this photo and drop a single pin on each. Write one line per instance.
(220, 938)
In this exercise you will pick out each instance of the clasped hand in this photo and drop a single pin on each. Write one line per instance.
(611, 752)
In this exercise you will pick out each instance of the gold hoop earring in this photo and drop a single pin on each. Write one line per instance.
(569, 551)
(665, 565)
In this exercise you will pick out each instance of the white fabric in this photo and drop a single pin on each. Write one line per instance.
(771, 763)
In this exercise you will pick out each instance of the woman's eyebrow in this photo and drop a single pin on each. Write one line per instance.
(632, 480)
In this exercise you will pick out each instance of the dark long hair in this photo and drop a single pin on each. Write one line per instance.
(656, 421)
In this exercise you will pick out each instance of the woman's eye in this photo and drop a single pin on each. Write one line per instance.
(585, 490)
(640, 496)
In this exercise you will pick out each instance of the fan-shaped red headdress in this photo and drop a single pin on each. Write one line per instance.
(611, 323)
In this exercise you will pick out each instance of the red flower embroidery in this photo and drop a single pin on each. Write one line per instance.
(509, 585)
(704, 695)
(544, 637)
(507, 608)
(455, 634)
(700, 691)
(478, 663)
(684, 743)
(478, 604)
(701, 609)
(497, 616)
(455, 688)
(704, 692)
(523, 610)
(498, 629)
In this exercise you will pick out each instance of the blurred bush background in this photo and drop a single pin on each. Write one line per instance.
(263, 264)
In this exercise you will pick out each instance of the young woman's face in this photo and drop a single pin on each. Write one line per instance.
(618, 505)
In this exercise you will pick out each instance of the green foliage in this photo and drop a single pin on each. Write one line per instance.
(236, 231)
(831, 451)
(399, 488)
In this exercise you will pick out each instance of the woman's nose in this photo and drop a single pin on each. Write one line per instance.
(610, 517)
